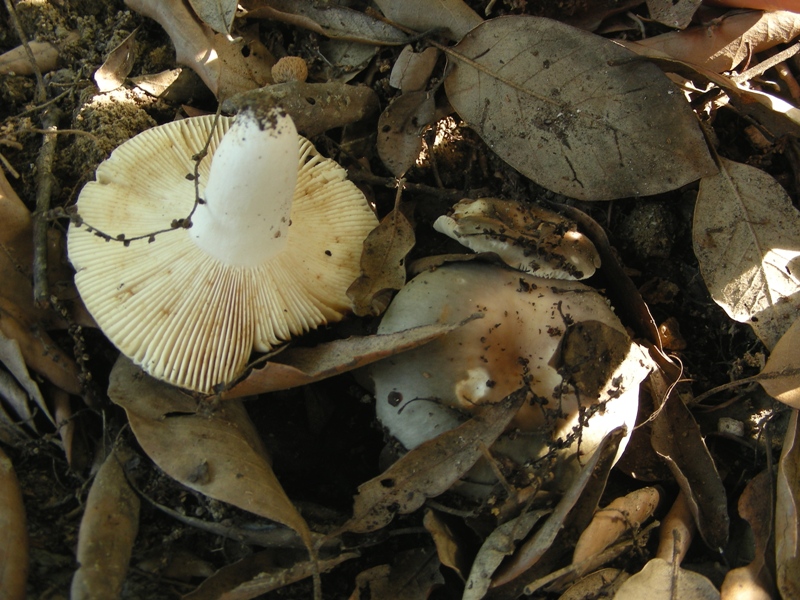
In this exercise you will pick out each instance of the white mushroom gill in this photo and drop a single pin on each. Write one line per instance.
(248, 198)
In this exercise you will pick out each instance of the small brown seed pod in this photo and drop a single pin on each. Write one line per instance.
(290, 68)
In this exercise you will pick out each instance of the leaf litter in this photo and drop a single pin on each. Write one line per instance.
(656, 147)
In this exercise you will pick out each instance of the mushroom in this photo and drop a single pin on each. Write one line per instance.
(526, 237)
(274, 245)
(559, 338)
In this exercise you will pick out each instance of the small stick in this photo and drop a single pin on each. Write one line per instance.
(44, 190)
(40, 91)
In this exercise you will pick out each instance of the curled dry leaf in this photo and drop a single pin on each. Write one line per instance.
(675, 14)
(383, 264)
(787, 516)
(219, 455)
(13, 359)
(429, 469)
(400, 130)
(453, 17)
(117, 66)
(725, 43)
(450, 546)
(108, 529)
(782, 371)
(660, 580)
(575, 112)
(13, 534)
(217, 14)
(677, 531)
(300, 366)
(746, 236)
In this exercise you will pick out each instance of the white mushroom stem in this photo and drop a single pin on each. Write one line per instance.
(248, 197)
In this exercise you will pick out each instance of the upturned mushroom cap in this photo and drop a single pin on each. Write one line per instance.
(527, 237)
(190, 311)
(558, 338)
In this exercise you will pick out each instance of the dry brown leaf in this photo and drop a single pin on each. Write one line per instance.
(118, 64)
(13, 359)
(623, 515)
(746, 236)
(412, 70)
(453, 17)
(604, 582)
(13, 534)
(677, 531)
(383, 264)
(217, 14)
(450, 548)
(430, 469)
(16, 62)
(219, 454)
(573, 112)
(660, 580)
(675, 14)
(108, 529)
(345, 59)
(412, 575)
(400, 130)
(300, 366)
(727, 42)
(783, 368)
(787, 517)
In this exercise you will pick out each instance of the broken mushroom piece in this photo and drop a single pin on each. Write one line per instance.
(560, 339)
(273, 247)
(525, 236)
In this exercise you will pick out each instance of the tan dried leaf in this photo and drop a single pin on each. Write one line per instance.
(118, 64)
(13, 534)
(746, 236)
(217, 14)
(454, 17)
(412, 575)
(412, 70)
(383, 264)
(573, 112)
(660, 580)
(675, 14)
(787, 516)
(782, 370)
(108, 529)
(400, 130)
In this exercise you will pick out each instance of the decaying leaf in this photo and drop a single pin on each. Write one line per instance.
(16, 62)
(400, 130)
(675, 14)
(573, 111)
(604, 582)
(453, 17)
(783, 368)
(219, 455)
(787, 516)
(660, 580)
(345, 59)
(450, 548)
(746, 236)
(677, 531)
(13, 359)
(725, 43)
(412, 70)
(108, 529)
(13, 534)
(217, 14)
(383, 264)
(300, 366)
(412, 576)
(429, 469)
(118, 64)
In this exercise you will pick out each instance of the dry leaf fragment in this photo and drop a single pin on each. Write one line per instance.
(400, 130)
(13, 534)
(45, 54)
(219, 455)
(412, 575)
(783, 368)
(383, 263)
(787, 517)
(677, 531)
(412, 70)
(573, 112)
(746, 236)
(108, 529)
(117, 66)
(454, 17)
(675, 14)
(217, 14)
(660, 580)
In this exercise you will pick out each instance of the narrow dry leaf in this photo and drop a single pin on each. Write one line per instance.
(783, 368)
(400, 130)
(258, 574)
(677, 531)
(300, 366)
(430, 469)
(383, 264)
(573, 112)
(500, 543)
(13, 534)
(10, 432)
(725, 43)
(604, 582)
(675, 14)
(330, 20)
(412, 70)
(108, 529)
(219, 455)
(412, 575)
(624, 515)
(746, 236)
(217, 14)
(453, 17)
(787, 516)
(157, 84)
(660, 580)
(12, 358)
(452, 552)
(16, 62)
(117, 66)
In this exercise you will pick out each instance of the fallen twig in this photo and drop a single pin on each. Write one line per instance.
(44, 190)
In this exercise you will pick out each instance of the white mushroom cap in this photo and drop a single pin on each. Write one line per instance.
(560, 338)
(190, 305)
(525, 236)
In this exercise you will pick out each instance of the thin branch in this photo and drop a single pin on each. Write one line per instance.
(44, 190)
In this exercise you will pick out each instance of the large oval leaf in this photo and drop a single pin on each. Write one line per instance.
(574, 112)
